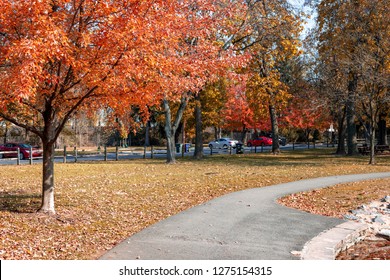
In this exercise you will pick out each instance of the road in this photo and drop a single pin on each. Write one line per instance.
(127, 154)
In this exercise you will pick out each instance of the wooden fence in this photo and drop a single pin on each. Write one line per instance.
(74, 154)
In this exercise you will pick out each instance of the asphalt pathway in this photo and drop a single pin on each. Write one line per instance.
(248, 224)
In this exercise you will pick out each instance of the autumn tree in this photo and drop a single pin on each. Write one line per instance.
(260, 30)
(373, 59)
(305, 109)
(334, 50)
(202, 58)
(353, 53)
(273, 40)
(54, 56)
(209, 103)
(237, 114)
(61, 56)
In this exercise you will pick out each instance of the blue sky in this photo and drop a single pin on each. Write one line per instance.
(310, 23)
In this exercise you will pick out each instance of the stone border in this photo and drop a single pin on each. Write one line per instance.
(328, 244)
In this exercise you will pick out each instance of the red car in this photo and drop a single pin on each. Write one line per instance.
(10, 150)
(260, 141)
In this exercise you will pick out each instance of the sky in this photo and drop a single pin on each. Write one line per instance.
(310, 23)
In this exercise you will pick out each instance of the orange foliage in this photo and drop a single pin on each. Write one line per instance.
(305, 112)
(58, 56)
(119, 53)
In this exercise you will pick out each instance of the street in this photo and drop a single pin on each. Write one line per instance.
(126, 154)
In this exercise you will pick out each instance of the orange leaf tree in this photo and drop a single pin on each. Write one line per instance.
(202, 58)
(61, 56)
(270, 36)
(238, 113)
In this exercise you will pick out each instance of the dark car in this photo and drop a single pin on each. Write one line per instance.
(282, 140)
(259, 141)
(10, 150)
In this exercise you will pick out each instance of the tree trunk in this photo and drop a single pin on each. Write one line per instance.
(341, 150)
(382, 130)
(147, 134)
(47, 205)
(351, 116)
(169, 133)
(198, 130)
(171, 147)
(372, 145)
(183, 131)
(5, 133)
(243, 134)
(170, 128)
(275, 130)
(217, 132)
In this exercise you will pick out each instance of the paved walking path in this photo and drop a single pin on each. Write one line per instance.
(246, 225)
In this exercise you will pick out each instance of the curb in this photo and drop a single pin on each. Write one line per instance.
(328, 244)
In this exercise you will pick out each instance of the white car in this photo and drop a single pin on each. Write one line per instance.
(223, 143)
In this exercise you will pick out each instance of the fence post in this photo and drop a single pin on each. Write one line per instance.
(75, 154)
(117, 153)
(211, 150)
(151, 151)
(18, 155)
(262, 148)
(31, 156)
(105, 152)
(144, 151)
(65, 154)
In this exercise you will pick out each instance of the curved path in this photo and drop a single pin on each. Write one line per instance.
(246, 225)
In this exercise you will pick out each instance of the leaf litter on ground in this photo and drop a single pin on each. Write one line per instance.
(99, 204)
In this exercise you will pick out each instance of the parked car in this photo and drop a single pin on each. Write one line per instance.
(223, 143)
(282, 140)
(10, 150)
(259, 141)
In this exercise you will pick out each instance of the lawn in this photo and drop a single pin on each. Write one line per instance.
(99, 204)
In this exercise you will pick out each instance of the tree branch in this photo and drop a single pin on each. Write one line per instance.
(30, 128)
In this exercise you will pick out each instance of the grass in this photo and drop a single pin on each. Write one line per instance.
(99, 204)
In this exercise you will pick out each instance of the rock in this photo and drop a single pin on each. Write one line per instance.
(351, 217)
(296, 253)
(385, 233)
(378, 219)
(386, 199)
(361, 212)
(363, 207)
(375, 214)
